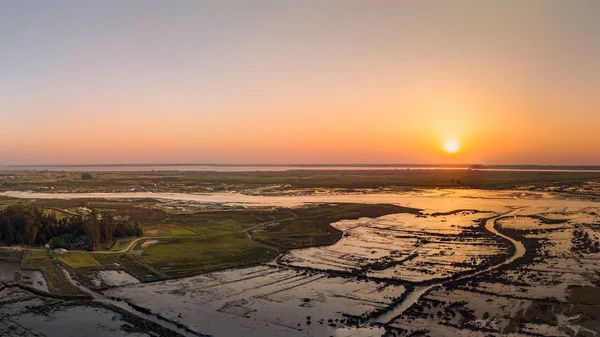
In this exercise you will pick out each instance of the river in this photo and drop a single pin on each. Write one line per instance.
(436, 200)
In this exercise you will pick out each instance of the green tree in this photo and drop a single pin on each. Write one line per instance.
(92, 230)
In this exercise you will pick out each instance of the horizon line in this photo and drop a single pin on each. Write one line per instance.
(350, 165)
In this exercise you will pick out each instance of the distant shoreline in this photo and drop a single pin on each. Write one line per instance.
(291, 167)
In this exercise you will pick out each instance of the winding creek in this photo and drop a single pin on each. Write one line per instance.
(419, 291)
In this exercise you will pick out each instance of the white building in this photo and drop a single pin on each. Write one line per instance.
(60, 251)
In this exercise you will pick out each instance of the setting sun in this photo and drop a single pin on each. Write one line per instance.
(451, 146)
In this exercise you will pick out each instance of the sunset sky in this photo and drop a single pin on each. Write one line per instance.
(240, 81)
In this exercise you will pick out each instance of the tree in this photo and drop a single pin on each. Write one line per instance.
(107, 226)
(20, 223)
(26, 224)
(86, 176)
(92, 230)
(30, 231)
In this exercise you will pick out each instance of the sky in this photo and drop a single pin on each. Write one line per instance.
(280, 82)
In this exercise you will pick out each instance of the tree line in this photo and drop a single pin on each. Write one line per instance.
(30, 225)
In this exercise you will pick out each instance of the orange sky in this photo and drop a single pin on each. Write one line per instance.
(310, 82)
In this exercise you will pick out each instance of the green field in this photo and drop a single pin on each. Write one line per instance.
(78, 260)
(187, 256)
(165, 229)
(210, 223)
(38, 254)
(121, 244)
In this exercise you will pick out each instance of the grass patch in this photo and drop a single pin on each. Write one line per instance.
(121, 244)
(293, 240)
(182, 257)
(312, 225)
(38, 254)
(78, 260)
(219, 222)
(166, 229)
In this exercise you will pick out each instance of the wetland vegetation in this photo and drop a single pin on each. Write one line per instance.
(287, 181)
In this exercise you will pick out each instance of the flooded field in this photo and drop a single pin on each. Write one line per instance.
(406, 247)
(11, 272)
(471, 263)
(23, 314)
(112, 278)
(550, 291)
(263, 301)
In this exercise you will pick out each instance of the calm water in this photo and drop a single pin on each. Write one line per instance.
(439, 200)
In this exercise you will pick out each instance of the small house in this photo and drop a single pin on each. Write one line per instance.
(60, 251)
